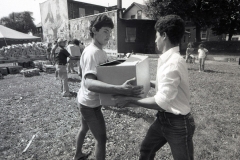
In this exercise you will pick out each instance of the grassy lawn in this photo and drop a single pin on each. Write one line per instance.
(34, 106)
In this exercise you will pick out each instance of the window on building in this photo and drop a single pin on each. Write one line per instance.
(203, 34)
(139, 14)
(81, 12)
(96, 11)
(130, 34)
(133, 16)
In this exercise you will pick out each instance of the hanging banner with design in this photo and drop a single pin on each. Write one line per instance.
(54, 16)
(79, 29)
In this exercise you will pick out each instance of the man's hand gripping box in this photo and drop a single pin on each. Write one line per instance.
(117, 72)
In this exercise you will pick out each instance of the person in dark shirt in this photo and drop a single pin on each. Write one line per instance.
(61, 55)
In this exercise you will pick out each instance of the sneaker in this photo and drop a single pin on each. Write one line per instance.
(67, 95)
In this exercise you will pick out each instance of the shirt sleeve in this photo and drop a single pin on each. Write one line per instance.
(167, 87)
(91, 61)
(66, 52)
(68, 49)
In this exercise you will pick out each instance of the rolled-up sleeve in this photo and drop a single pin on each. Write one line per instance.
(167, 87)
(90, 64)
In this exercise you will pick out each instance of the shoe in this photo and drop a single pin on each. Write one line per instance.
(84, 157)
(67, 95)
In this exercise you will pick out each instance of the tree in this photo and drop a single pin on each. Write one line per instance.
(21, 21)
(201, 12)
(228, 19)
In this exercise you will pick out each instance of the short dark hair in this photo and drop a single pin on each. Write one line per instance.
(70, 42)
(76, 42)
(173, 26)
(201, 45)
(100, 21)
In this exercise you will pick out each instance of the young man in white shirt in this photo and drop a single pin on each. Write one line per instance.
(88, 96)
(202, 54)
(174, 123)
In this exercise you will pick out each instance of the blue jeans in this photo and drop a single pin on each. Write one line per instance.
(176, 130)
(92, 119)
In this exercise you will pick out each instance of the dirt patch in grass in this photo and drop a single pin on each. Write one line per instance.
(34, 106)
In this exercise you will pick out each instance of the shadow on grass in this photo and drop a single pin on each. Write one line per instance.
(211, 71)
(130, 113)
(207, 71)
(74, 94)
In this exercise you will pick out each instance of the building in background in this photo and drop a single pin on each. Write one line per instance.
(135, 11)
(78, 9)
(55, 15)
(70, 19)
(39, 32)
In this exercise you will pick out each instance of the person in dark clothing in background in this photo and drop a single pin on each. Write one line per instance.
(61, 55)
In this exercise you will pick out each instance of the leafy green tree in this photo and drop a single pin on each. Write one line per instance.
(228, 19)
(20, 21)
(201, 12)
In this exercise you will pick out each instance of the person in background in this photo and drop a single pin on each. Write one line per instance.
(189, 51)
(53, 56)
(202, 54)
(73, 51)
(174, 123)
(61, 66)
(81, 47)
(49, 49)
(88, 95)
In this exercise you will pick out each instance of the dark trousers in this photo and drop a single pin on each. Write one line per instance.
(176, 130)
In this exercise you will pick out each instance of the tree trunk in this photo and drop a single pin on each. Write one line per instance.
(230, 36)
(198, 33)
(231, 30)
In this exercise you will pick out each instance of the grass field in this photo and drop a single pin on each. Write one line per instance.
(34, 106)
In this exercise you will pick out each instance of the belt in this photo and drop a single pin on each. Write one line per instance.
(61, 64)
(171, 115)
(86, 107)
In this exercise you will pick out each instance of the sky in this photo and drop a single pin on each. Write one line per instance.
(9, 6)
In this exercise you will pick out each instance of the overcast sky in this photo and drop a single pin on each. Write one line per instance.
(9, 6)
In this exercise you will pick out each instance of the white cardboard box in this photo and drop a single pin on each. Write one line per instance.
(117, 72)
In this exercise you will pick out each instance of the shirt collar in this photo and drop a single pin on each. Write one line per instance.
(164, 57)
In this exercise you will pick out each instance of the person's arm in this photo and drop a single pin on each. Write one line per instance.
(148, 103)
(206, 51)
(167, 92)
(127, 88)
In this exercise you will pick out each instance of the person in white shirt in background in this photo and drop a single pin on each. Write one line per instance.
(174, 123)
(202, 54)
(70, 68)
